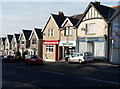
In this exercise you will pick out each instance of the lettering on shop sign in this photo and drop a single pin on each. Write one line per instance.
(97, 39)
(67, 43)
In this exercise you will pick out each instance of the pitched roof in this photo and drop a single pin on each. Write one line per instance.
(17, 37)
(39, 33)
(3, 39)
(59, 19)
(73, 20)
(105, 11)
(78, 16)
(9, 38)
(117, 11)
(27, 33)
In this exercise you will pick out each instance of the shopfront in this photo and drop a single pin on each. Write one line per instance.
(50, 50)
(67, 48)
(95, 45)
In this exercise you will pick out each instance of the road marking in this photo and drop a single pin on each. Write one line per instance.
(102, 81)
(52, 72)
(24, 68)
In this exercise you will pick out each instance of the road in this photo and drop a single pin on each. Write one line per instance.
(59, 75)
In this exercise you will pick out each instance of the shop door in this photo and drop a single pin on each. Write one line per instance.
(71, 51)
(56, 52)
(61, 53)
(90, 47)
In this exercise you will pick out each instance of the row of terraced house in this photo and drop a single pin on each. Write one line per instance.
(97, 30)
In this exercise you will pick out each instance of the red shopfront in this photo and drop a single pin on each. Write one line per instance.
(51, 50)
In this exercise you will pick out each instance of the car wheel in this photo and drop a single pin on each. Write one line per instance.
(80, 61)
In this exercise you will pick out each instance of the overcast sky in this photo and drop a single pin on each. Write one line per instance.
(28, 15)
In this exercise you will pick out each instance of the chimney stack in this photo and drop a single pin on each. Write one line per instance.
(60, 13)
(97, 2)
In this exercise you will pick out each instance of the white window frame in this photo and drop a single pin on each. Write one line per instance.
(90, 28)
(68, 31)
(51, 33)
(49, 48)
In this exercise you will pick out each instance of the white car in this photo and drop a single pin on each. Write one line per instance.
(81, 57)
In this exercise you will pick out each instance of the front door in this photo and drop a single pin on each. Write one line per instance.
(90, 47)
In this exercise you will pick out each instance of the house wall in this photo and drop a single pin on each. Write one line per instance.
(1, 47)
(115, 41)
(22, 45)
(68, 38)
(50, 25)
(98, 48)
(37, 46)
(100, 28)
(40, 47)
(67, 43)
(7, 48)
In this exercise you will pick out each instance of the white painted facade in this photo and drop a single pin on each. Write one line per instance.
(91, 34)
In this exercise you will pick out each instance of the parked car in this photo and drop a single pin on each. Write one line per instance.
(81, 57)
(8, 58)
(33, 59)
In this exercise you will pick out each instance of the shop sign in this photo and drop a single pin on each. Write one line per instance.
(67, 43)
(94, 39)
(50, 42)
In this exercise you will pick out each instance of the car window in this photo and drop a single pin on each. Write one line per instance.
(87, 54)
(5, 56)
(10, 56)
(28, 57)
(81, 54)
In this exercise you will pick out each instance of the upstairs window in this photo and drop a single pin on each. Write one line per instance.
(13, 44)
(22, 42)
(33, 41)
(68, 31)
(51, 33)
(90, 28)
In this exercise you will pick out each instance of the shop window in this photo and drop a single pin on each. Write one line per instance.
(68, 31)
(49, 48)
(51, 32)
(90, 28)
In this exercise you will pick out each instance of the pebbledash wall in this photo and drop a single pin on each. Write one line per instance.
(115, 40)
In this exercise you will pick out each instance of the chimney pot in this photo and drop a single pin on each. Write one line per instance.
(60, 13)
(97, 2)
